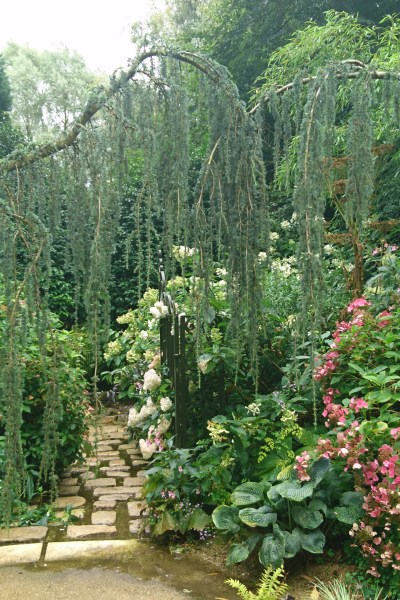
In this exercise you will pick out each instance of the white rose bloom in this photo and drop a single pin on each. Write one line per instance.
(147, 448)
(151, 380)
(165, 404)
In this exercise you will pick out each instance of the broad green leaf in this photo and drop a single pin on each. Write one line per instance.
(272, 551)
(257, 517)
(313, 541)
(348, 514)
(352, 499)
(199, 519)
(319, 469)
(165, 523)
(237, 553)
(247, 493)
(306, 517)
(317, 504)
(292, 489)
(292, 543)
(226, 518)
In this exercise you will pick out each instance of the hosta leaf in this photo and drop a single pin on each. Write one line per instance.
(313, 541)
(257, 517)
(226, 518)
(348, 514)
(292, 489)
(319, 469)
(292, 543)
(352, 499)
(306, 517)
(236, 554)
(272, 551)
(317, 504)
(247, 493)
(199, 519)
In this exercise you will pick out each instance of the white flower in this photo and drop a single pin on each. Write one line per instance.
(253, 408)
(143, 335)
(128, 317)
(134, 418)
(165, 404)
(285, 225)
(273, 236)
(182, 252)
(151, 380)
(163, 425)
(155, 312)
(221, 272)
(262, 257)
(147, 448)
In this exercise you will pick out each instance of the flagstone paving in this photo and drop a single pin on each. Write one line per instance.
(103, 493)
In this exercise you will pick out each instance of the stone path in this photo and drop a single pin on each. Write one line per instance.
(103, 494)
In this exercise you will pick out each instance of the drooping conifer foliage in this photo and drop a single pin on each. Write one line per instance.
(219, 205)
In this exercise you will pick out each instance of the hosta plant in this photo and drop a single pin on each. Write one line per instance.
(283, 518)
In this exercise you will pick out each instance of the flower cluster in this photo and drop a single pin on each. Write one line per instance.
(301, 466)
(151, 380)
(359, 436)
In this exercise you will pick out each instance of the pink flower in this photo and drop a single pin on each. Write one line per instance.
(381, 321)
(357, 404)
(358, 303)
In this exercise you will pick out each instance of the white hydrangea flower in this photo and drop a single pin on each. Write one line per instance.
(143, 334)
(165, 404)
(163, 425)
(285, 225)
(151, 380)
(134, 418)
(273, 236)
(262, 257)
(128, 317)
(155, 312)
(147, 448)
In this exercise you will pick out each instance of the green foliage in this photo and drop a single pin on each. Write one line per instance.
(292, 511)
(270, 587)
(5, 91)
(53, 424)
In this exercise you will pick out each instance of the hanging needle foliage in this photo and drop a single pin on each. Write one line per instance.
(78, 180)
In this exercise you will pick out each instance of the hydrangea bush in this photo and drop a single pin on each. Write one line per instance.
(360, 377)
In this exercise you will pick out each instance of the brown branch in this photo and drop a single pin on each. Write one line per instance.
(97, 100)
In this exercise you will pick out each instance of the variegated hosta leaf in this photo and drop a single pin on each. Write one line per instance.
(257, 517)
(247, 493)
(226, 518)
(307, 517)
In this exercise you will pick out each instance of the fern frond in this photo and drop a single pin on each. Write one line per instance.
(242, 590)
(271, 588)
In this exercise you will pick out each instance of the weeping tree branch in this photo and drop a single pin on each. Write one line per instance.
(357, 65)
(98, 99)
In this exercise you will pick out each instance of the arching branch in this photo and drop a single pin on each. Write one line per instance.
(357, 65)
(96, 101)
